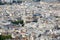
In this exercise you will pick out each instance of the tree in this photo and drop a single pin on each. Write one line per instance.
(1, 3)
(2, 37)
(17, 22)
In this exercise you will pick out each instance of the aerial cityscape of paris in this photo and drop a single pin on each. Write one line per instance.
(29, 19)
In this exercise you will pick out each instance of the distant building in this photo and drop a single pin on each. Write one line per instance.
(49, 0)
(8, 1)
(11, 1)
(30, 0)
(36, 0)
(17, 1)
